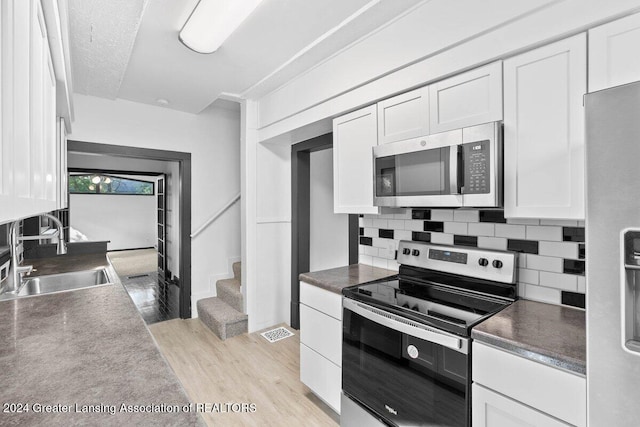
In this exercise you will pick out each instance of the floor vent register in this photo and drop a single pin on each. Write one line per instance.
(277, 334)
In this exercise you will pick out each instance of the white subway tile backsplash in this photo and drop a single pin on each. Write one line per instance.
(380, 243)
(541, 232)
(531, 277)
(466, 215)
(380, 223)
(511, 231)
(442, 238)
(414, 225)
(380, 262)
(370, 232)
(365, 259)
(481, 229)
(542, 294)
(582, 284)
(523, 221)
(455, 227)
(540, 276)
(402, 234)
(406, 214)
(498, 243)
(371, 251)
(559, 249)
(442, 215)
(566, 282)
(395, 224)
(544, 263)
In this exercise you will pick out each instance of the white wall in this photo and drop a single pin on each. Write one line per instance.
(128, 222)
(213, 139)
(329, 232)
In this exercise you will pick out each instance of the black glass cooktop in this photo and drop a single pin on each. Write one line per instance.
(442, 305)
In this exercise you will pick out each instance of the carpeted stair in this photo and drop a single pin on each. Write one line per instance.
(224, 314)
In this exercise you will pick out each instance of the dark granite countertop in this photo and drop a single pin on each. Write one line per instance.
(85, 350)
(550, 334)
(336, 279)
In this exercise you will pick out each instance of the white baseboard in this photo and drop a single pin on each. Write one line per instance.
(212, 285)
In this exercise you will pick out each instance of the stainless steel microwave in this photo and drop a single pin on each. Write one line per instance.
(458, 168)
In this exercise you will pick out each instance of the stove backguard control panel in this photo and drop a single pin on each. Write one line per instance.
(499, 266)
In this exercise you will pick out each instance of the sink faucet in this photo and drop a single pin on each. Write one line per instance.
(16, 271)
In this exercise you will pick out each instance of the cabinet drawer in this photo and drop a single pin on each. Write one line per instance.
(322, 300)
(491, 409)
(321, 333)
(558, 393)
(321, 376)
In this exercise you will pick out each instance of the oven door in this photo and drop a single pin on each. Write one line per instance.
(406, 373)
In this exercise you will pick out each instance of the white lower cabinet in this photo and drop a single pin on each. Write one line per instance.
(491, 409)
(321, 343)
(509, 390)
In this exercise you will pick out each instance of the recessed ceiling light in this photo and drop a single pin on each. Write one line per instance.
(213, 21)
(162, 101)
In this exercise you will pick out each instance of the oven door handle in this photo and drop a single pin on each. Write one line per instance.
(407, 326)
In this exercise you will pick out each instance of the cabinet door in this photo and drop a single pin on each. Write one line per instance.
(544, 131)
(468, 99)
(404, 116)
(321, 376)
(321, 333)
(6, 115)
(613, 53)
(354, 136)
(491, 409)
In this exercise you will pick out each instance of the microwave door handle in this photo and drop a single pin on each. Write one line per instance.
(454, 169)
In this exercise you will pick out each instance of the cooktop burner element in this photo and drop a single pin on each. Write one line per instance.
(451, 288)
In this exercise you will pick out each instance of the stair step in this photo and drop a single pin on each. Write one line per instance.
(221, 318)
(228, 290)
(237, 270)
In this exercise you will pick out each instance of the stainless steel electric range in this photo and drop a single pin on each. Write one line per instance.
(406, 350)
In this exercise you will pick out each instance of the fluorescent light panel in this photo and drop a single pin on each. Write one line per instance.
(213, 21)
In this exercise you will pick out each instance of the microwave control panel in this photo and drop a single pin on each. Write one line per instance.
(476, 167)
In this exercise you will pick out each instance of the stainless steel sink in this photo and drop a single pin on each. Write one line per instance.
(61, 282)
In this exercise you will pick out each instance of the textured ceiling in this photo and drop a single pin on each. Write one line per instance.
(102, 35)
(281, 39)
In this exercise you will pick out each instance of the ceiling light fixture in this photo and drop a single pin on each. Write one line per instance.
(213, 21)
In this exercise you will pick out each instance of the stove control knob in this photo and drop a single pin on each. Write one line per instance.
(406, 251)
(497, 263)
(415, 252)
(483, 262)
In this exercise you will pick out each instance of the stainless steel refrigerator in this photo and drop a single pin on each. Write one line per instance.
(613, 256)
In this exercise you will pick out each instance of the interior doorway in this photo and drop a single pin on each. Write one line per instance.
(307, 184)
(181, 271)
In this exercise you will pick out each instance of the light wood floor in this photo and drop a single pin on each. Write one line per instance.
(243, 369)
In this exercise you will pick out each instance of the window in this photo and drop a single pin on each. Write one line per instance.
(106, 184)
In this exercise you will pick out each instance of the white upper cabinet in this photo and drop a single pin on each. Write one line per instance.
(544, 131)
(30, 151)
(466, 99)
(354, 136)
(613, 53)
(404, 116)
